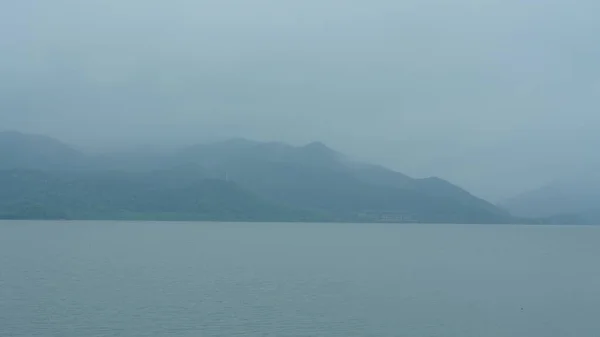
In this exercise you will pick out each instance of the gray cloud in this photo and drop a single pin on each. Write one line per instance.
(494, 95)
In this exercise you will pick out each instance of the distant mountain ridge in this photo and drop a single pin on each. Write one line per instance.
(576, 197)
(313, 180)
(326, 170)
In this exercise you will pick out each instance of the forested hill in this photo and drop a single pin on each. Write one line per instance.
(244, 180)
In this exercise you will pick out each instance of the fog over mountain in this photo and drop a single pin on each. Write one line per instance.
(237, 179)
(578, 195)
(499, 97)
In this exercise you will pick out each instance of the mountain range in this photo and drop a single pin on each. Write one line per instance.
(233, 180)
(576, 198)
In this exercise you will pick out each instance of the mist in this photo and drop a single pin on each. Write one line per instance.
(496, 96)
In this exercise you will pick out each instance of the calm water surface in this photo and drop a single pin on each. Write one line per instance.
(78, 279)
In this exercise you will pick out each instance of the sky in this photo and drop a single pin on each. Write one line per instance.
(498, 96)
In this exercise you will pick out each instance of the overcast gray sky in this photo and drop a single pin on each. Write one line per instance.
(495, 95)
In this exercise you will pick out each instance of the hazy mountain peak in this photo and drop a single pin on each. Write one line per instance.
(579, 195)
(21, 150)
(317, 145)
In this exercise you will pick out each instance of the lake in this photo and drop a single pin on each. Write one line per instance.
(88, 279)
